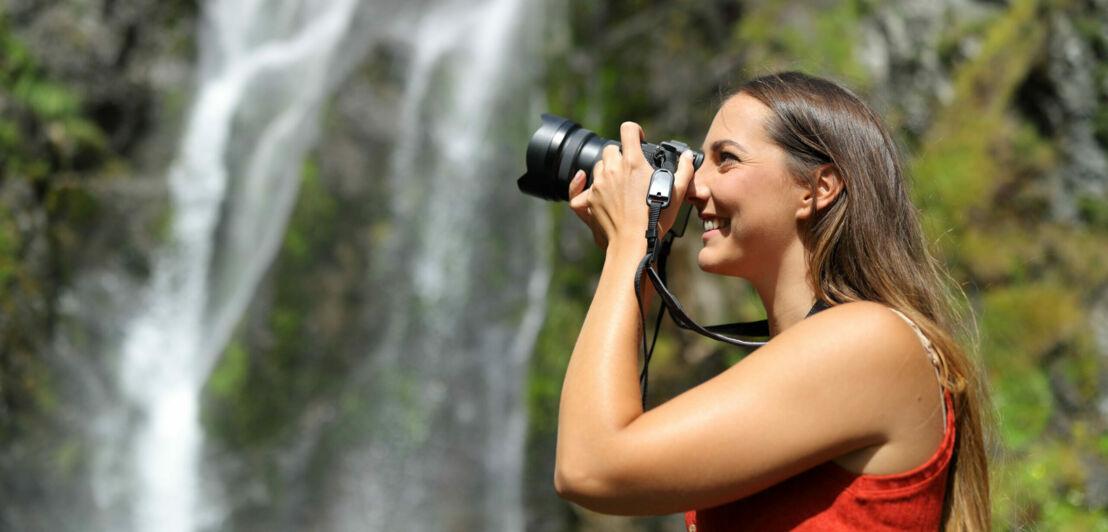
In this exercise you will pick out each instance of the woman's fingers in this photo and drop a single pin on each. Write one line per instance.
(578, 201)
(681, 179)
(577, 184)
(609, 164)
(631, 136)
(614, 205)
(684, 173)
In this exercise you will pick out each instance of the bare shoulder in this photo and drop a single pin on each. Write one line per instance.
(869, 333)
(874, 361)
(863, 316)
(858, 356)
(863, 356)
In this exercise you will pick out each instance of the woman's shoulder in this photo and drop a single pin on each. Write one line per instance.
(864, 312)
(863, 322)
(870, 342)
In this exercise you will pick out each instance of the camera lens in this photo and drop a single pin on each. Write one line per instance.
(561, 147)
(557, 150)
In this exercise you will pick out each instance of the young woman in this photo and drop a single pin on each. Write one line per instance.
(864, 416)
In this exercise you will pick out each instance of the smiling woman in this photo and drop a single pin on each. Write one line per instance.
(864, 416)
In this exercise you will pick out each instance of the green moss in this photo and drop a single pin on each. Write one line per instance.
(1024, 399)
(1093, 210)
(283, 361)
(790, 36)
(9, 249)
(1022, 323)
(1080, 368)
(232, 371)
(44, 127)
(1044, 488)
(1100, 119)
(957, 169)
(567, 301)
(314, 218)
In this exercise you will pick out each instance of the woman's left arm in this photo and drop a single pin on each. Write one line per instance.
(850, 378)
(600, 394)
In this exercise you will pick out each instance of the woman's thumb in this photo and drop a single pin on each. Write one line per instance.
(684, 173)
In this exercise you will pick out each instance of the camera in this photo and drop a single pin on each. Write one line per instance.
(561, 147)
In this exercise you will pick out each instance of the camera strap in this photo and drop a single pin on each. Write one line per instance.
(658, 198)
(653, 264)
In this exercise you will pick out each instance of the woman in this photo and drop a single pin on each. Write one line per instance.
(864, 416)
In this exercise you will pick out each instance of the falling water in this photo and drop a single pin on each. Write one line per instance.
(458, 283)
(263, 74)
(463, 277)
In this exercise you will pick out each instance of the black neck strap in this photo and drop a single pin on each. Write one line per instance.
(658, 253)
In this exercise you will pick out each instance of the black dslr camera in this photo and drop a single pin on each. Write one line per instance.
(561, 147)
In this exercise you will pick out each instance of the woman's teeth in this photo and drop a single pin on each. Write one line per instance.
(714, 223)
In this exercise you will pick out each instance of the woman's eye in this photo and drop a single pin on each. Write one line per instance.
(725, 157)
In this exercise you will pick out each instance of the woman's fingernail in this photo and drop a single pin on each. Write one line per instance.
(687, 154)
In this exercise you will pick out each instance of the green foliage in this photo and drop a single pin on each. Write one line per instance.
(232, 372)
(786, 36)
(287, 358)
(1100, 120)
(571, 287)
(253, 394)
(316, 211)
(1045, 489)
(44, 132)
(979, 171)
(957, 171)
(43, 127)
(1023, 322)
(9, 248)
(1094, 210)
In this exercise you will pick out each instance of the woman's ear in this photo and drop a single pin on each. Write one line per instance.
(827, 185)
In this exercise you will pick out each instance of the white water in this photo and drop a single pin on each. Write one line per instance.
(448, 453)
(462, 276)
(263, 75)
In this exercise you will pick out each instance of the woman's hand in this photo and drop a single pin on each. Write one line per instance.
(614, 207)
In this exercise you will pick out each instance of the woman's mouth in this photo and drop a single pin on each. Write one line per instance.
(715, 223)
(713, 226)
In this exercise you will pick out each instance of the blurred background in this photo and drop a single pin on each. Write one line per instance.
(264, 265)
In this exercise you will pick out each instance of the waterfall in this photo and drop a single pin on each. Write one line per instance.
(459, 282)
(463, 277)
(263, 74)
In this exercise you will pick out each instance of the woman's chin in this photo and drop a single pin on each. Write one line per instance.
(708, 263)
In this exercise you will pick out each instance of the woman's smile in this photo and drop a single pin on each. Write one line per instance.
(715, 226)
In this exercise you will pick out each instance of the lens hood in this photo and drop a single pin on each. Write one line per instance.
(556, 151)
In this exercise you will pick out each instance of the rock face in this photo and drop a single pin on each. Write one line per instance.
(1008, 98)
(91, 95)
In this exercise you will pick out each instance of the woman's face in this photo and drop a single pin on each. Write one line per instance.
(745, 196)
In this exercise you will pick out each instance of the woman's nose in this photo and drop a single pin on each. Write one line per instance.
(697, 192)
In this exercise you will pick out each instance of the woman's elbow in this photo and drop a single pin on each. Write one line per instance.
(585, 486)
(572, 483)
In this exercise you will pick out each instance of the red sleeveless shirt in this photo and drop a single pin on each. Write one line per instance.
(830, 498)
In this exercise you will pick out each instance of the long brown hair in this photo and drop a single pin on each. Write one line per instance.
(868, 245)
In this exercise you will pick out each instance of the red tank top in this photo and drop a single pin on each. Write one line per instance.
(830, 498)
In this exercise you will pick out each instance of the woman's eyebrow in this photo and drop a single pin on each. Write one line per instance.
(719, 144)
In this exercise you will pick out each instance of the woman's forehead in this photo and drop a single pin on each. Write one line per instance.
(740, 118)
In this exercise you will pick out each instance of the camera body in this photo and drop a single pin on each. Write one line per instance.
(561, 147)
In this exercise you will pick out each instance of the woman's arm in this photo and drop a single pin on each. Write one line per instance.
(600, 394)
(850, 378)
